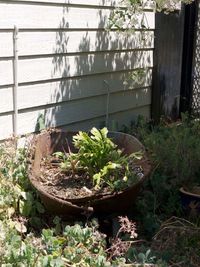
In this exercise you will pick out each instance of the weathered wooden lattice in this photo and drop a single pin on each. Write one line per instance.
(195, 105)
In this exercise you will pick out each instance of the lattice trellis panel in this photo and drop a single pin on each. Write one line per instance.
(196, 81)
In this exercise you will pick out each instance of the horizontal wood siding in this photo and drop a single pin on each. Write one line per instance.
(67, 63)
(51, 17)
(107, 3)
(39, 69)
(49, 43)
(116, 122)
(90, 3)
(70, 89)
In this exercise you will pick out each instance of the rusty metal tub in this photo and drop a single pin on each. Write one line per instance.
(116, 202)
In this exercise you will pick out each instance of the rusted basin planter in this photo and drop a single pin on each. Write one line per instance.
(191, 201)
(49, 142)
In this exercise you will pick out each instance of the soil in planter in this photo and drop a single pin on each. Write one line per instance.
(66, 185)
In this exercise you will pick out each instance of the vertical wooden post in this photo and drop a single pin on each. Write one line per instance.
(169, 31)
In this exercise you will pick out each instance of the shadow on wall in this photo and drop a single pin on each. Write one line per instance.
(83, 61)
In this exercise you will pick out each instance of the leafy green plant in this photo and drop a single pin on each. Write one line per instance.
(145, 256)
(160, 197)
(80, 245)
(101, 158)
(75, 246)
(16, 194)
(175, 149)
(54, 246)
(130, 15)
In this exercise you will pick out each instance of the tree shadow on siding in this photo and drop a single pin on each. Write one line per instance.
(83, 73)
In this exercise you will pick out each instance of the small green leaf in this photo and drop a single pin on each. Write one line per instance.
(59, 154)
(97, 179)
(137, 155)
(40, 208)
(27, 196)
(56, 220)
(25, 207)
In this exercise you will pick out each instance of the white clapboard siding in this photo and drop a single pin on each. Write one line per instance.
(108, 3)
(115, 120)
(70, 89)
(6, 100)
(70, 112)
(75, 111)
(44, 43)
(74, 42)
(6, 126)
(125, 117)
(147, 3)
(48, 17)
(102, 3)
(6, 44)
(67, 63)
(69, 66)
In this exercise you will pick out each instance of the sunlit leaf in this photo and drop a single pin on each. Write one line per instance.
(20, 227)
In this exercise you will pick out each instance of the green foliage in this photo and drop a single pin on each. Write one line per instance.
(69, 246)
(17, 198)
(40, 124)
(99, 156)
(16, 194)
(143, 257)
(60, 245)
(159, 201)
(140, 128)
(176, 150)
(135, 78)
(160, 198)
(129, 15)
(83, 245)
(75, 246)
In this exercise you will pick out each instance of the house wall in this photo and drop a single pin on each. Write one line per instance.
(67, 63)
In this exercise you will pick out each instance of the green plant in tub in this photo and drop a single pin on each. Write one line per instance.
(100, 157)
